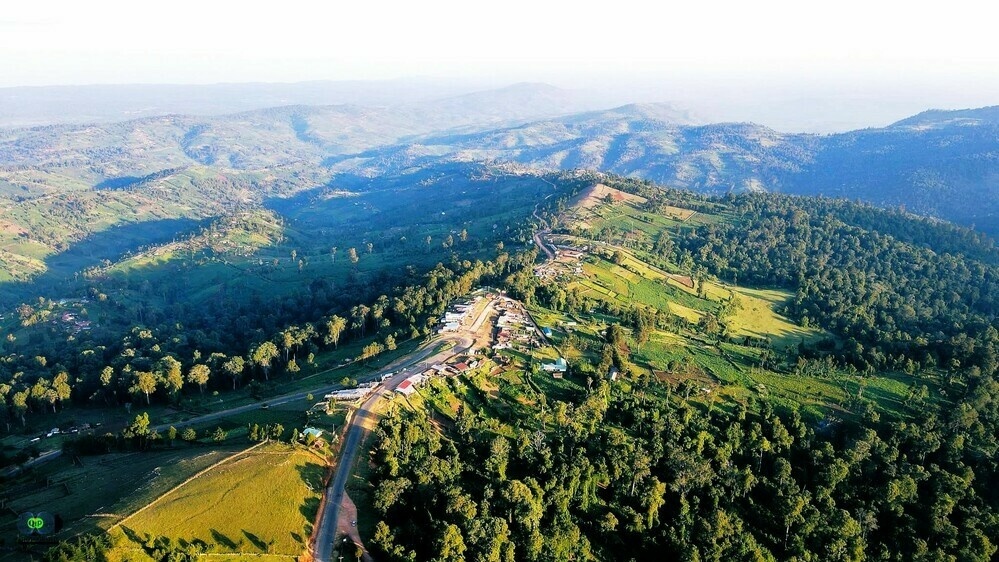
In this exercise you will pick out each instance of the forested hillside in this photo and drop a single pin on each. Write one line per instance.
(694, 458)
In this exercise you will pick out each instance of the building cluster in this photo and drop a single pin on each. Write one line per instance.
(457, 313)
(514, 328)
(567, 262)
(72, 322)
(455, 366)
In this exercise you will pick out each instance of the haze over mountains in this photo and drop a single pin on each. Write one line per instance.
(938, 163)
(49, 105)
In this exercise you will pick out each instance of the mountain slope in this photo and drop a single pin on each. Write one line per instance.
(940, 164)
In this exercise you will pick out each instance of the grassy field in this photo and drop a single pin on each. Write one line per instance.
(93, 494)
(757, 317)
(261, 502)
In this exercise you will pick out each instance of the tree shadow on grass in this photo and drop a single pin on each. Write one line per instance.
(257, 541)
(223, 540)
(309, 509)
(312, 475)
(134, 536)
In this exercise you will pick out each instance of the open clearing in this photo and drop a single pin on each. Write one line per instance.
(757, 317)
(597, 194)
(275, 490)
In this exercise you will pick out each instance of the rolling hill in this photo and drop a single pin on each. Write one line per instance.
(938, 164)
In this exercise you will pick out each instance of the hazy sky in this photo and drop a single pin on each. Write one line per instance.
(205, 41)
(836, 65)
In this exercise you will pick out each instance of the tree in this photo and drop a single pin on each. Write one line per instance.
(451, 545)
(334, 328)
(169, 370)
(138, 428)
(352, 255)
(219, 435)
(20, 403)
(199, 375)
(370, 350)
(499, 456)
(189, 435)
(263, 355)
(234, 368)
(145, 383)
(390, 342)
(60, 384)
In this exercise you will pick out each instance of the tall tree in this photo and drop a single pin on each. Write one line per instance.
(199, 375)
(334, 328)
(145, 383)
(263, 355)
(234, 368)
(170, 372)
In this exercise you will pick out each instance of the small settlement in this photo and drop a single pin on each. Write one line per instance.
(515, 330)
(568, 262)
(456, 314)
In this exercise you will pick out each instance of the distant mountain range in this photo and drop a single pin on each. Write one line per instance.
(51, 105)
(938, 163)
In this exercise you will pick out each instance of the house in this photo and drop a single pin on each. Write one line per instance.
(557, 369)
(546, 331)
(313, 431)
(461, 367)
(406, 387)
(312, 434)
(612, 373)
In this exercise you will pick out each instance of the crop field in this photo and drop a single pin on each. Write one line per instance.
(275, 488)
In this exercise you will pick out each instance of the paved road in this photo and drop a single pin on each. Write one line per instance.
(325, 533)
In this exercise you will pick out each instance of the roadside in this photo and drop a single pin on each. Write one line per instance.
(332, 515)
